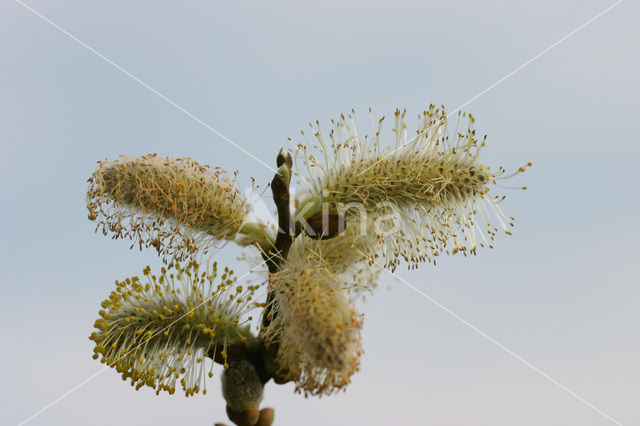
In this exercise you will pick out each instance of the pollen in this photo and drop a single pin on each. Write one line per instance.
(164, 349)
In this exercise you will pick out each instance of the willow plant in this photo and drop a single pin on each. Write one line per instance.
(364, 206)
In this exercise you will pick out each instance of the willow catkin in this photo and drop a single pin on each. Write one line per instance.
(158, 330)
(316, 327)
(346, 256)
(431, 187)
(176, 205)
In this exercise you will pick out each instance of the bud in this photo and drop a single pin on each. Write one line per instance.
(242, 389)
(325, 226)
(267, 415)
(284, 158)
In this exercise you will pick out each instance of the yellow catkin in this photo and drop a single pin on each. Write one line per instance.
(430, 188)
(316, 326)
(176, 205)
(157, 331)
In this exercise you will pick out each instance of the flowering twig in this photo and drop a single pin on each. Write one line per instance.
(161, 329)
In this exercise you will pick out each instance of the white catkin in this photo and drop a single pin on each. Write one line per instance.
(175, 205)
(421, 199)
(316, 327)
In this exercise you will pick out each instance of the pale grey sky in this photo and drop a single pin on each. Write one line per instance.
(562, 292)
